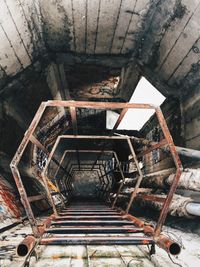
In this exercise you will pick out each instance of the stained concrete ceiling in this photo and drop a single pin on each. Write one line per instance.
(162, 37)
(93, 42)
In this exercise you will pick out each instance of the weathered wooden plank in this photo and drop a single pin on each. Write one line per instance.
(173, 32)
(106, 26)
(8, 60)
(190, 60)
(92, 20)
(69, 22)
(187, 37)
(14, 37)
(125, 15)
(56, 25)
(80, 20)
(140, 10)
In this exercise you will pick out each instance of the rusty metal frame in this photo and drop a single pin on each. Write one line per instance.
(89, 151)
(44, 174)
(72, 105)
(68, 151)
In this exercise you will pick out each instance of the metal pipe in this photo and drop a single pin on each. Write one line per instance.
(100, 240)
(193, 208)
(94, 230)
(163, 179)
(187, 152)
(162, 241)
(168, 245)
(26, 246)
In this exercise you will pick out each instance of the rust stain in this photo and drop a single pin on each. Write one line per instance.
(9, 199)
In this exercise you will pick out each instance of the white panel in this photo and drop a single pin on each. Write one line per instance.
(92, 15)
(175, 30)
(11, 30)
(79, 13)
(107, 21)
(127, 8)
(183, 45)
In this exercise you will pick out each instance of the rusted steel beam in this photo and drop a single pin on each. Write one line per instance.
(45, 224)
(88, 217)
(139, 179)
(26, 246)
(178, 206)
(75, 130)
(168, 245)
(182, 151)
(98, 105)
(160, 144)
(121, 116)
(122, 182)
(24, 199)
(161, 240)
(44, 178)
(101, 105)
(94, 230)
(36, 198)
(30, 241)
(42, 147)
(152, 198)
(94, 240)
(74, 119)
(86, 212)
(90, 222)
(163, 179)
(175, 156)
(27, 135)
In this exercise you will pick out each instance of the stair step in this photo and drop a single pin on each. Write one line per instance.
(94, 222)
(96, 240)
(88, 217)
(94, 230)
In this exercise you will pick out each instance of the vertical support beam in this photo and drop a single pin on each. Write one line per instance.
(139, 180)
(75, 131)
(121, 184)
(15, 172)
(44, 178)
(36, 142)
(57, 82)
(172, 148)
(25, 201)
(16, 111)
(74, 119)
(63, 81)
(121, 116)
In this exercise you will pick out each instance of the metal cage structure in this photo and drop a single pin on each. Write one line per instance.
(154, 234)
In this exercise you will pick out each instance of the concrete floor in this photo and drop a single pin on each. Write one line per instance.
(97, 256)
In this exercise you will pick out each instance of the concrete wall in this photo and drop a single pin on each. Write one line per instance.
(191, 118)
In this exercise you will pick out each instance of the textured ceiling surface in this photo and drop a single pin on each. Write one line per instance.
(161, 35)
(93, 26)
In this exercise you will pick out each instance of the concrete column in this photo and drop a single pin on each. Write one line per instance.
(57, 82)
(16, 111)
(5, 165)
